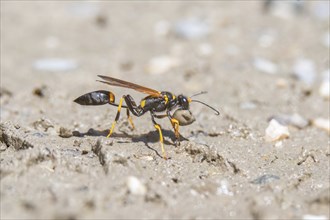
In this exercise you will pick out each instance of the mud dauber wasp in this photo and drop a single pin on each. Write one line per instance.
(155, 102)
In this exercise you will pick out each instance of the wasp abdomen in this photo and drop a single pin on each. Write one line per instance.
(100, 97)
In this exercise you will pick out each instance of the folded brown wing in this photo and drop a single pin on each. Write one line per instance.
(121, 83)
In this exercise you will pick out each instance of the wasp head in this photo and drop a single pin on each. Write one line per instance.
(183, 102)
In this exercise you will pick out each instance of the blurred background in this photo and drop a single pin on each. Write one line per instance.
(229, 48)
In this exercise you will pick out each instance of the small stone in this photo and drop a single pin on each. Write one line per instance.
(43, 124)
(40, 91)
(275, 131)
(324, 90)
(265, 179)
(223, 189)
(248, 105)
(192, 28)
(3, 146)
(65, 133)
(314, 217)
(295, 120)
(55, 64)
(304, 70)
(185, 117)
(161, 64)
(146, 157)
(322, 123)
(135, 186)
(265, 66)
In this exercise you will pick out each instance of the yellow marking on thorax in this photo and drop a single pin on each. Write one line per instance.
(166, 99)
(143, 103)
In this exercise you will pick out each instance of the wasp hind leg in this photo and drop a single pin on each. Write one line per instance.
(130, 120)
(117, 117)
(161, 139)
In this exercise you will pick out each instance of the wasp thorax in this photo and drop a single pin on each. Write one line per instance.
(184, 117)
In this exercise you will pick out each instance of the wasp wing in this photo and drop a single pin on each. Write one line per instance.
(121, 83)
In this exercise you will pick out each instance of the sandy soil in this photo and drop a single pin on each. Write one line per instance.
(56, 162)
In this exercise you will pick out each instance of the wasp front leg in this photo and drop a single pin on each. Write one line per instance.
(175, 125)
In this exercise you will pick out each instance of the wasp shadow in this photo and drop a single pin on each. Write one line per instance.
(150, 137)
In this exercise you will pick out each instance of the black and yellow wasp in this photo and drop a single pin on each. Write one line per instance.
(154, 103)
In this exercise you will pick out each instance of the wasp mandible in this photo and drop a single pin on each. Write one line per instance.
(155, 102)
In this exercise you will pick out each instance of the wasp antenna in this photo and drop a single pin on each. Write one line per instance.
(200, 93)
(216, 111)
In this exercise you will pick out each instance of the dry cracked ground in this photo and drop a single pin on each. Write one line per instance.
(265, 66)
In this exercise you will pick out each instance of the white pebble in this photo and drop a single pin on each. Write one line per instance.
(314, 217)
(295, 120)
(161, 64)
(304, 70)
(192, 28)
(322, 123)
(275, 131)
(265, 66)
(55, 64)
(325, 89)
(223, 188)
(135, 186)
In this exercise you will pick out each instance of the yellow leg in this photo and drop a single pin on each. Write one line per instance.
(130, 119)
(117, 117)
(175, 124)
(161, 140)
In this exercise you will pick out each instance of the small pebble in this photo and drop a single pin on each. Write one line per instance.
(135, 186)
(43, 124)
(224, 189)
(315, 217)
(275, 131)
(192, 28)
(40, 91)
(322, 123)
(304, 70)
(65, 133)
(248, 105)
(161, 64)
(185, 117)
(265, 66)
(324, 90)
(55, 64)
(265, 179)
(295, 120)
